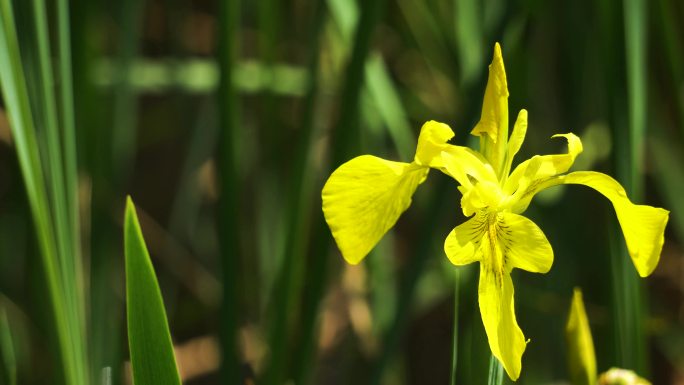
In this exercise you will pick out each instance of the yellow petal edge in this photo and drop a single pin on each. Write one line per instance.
(363, 199)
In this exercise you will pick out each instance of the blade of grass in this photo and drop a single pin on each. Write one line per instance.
(454, 341)
(495, 372)
(69, 136)
(125, 99)
(9, 361)
(345, 137)
(631, 293)
(468, 25)
(300, 198)
(16, 97)
(347, 133)
(62, 211)
(149, 339)
(228, 181)
(672, 46)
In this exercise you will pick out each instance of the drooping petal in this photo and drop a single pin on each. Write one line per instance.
(581, 356)
(516, 140)
(643, 226)
(363, 199)
(524, 244)
(497, 308)
(493, 125)
(431, 142)
(462, 245)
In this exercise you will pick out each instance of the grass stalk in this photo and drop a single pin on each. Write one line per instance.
(346, 138)
(495, 376)
(454, 340)
(631, 294)
(228, 213)
(69, 135)
(8, 371)
(16, 97)
(300, 202)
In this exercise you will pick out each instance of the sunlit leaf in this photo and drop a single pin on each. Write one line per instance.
(149, 339)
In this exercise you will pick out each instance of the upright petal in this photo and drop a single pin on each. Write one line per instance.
(431, 142)
(643, 226)
(516, 140)
(524, 244)
(540, 167)
(497, 308)
(494, 119)
(363, 199)
(462, 245)
(464, 165)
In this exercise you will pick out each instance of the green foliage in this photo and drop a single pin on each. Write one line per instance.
(149, 340)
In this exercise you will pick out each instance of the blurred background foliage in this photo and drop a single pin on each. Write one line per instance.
(223, 120)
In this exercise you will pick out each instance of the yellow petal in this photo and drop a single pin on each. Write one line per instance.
(542, 166)
(525, 245)
(431, 142)
(516, 140)
(494, 119)
(478, 181)
(363, 198)
(581, 356)
(462, 245)
(617, 376)
(464, 165)
(643, 226)
(497, 308)
(495, 104)
(525, 180)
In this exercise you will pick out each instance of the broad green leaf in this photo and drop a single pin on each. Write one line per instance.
(149, 340)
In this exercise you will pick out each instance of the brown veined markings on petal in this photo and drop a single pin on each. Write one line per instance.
(494, 259)
(482, 223)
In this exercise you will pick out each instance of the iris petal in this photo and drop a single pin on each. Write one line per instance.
(540, 167)
(363, 199)
(524, 244)
(497, 308)
(493, 125)
(431, 142)
(462, 245)
(643, 226)
(516, 140)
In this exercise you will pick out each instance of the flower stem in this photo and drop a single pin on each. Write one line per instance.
(454, 342)
(495, 372)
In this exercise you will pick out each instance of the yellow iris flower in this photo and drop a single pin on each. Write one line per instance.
(364, 197)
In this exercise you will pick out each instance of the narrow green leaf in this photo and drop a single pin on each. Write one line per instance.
(495, 372)
(454, 341)
(149, 339)
(9, 361)
(16, 98)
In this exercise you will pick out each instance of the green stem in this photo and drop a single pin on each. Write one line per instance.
(228, 201)
(454, 342)
(495, 372)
